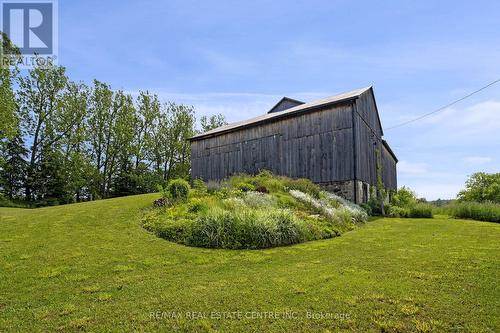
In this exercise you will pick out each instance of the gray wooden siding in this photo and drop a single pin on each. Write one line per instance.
(367, 109)
(368, 141)
(315, 145)
(389, 176)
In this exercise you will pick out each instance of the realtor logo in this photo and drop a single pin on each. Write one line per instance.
(32, 27)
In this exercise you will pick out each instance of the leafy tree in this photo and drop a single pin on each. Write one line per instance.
(212, 122)
(99, 120)
(9, 124)
(119, 139)
(481, 187)
(77, 160)
(404, 198)
(179, 127)
(87, 143)
(39, 97)
(112, 120)
(148, 112)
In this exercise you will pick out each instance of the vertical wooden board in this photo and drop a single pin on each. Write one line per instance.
(312, 145)
(368, 111)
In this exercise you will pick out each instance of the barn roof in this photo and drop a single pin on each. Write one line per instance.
(347, 96)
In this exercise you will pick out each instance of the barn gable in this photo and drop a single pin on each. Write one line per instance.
(285, 103)
(368, 111)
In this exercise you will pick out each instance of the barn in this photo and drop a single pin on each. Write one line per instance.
(337, 142)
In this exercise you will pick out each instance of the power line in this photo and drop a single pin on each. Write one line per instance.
(443, 107)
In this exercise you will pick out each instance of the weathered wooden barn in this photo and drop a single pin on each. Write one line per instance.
(337, 142)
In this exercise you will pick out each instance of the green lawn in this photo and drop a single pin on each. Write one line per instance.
(91, 266)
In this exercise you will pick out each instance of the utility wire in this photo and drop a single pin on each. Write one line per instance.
(443, 107)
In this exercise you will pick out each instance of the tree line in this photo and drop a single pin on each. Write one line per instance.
(63, 141)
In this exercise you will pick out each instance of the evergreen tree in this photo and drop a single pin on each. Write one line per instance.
(13, 167)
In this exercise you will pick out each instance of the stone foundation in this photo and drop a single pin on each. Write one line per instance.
(346, 189)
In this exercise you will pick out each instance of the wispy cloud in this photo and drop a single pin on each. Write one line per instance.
(477, 160)
(224, 62)
(476, 124)
(396, 57)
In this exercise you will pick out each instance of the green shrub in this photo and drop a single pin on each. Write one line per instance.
(395, 211)
(246, 228)
(367, 208)
(287, 229)
(442, 210)
(405, 204)
(163, 191)
(421, 210)
(199, 185)
(266, 182)
(285, 200)
(265, 174)
(175, 230)
(245, 187)
(344, 218)
(305, 186)
(178, 189)
(259, 200)
(481, 187)
(197, 205)
(374, 205)
(5, 202)
(486, 211)
(263, 182)
(47, 202)
(233, 203)
(217, 228)
(313, 228)
(228, 192)
(404, 197)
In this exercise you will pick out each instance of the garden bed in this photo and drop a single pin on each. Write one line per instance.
(250, 212)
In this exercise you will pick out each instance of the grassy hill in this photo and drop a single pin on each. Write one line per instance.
(91, 266)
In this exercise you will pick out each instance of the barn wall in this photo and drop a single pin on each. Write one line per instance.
(315, 145)
(368, 142)
(389, 176)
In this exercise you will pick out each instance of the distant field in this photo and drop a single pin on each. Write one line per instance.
(92, 267)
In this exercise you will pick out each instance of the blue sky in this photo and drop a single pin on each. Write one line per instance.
(239, 57)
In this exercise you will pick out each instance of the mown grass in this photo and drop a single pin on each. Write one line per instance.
(92, 267)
